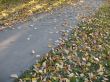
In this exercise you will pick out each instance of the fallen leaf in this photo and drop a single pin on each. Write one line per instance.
(33, 51)
(14, 76)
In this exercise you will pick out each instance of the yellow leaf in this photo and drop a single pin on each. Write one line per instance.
(34, 79)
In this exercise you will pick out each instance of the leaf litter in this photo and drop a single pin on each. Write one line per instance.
(84, 57)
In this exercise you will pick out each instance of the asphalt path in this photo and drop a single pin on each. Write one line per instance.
(17, 43)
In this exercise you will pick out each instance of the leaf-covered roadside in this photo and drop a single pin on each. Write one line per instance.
(14, 11)
(85, 57)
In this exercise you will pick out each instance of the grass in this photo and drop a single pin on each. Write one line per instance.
(13, 11)
(85, 57)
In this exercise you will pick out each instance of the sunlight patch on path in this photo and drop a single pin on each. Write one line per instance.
(7, 42)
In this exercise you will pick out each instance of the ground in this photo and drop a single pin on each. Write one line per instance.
(14, 11)
(84, 57)
(80, 57)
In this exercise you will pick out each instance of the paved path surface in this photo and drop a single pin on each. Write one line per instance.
(16, 44)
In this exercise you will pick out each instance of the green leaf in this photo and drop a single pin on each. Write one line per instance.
(73, 79)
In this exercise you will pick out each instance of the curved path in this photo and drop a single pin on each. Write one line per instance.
(16, 44)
